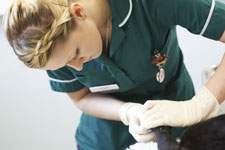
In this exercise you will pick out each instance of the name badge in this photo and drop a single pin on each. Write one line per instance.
(104, 88)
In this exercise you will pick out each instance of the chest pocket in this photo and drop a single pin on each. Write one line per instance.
(134, 55)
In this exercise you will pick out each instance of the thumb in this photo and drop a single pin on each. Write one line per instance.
(149, 105)
(145, 137)
(154, 123)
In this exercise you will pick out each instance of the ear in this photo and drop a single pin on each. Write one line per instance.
(78, 11)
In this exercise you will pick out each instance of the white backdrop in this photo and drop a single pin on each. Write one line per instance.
(4, 5)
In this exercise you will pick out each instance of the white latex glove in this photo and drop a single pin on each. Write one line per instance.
(129, 115)
(179, 114)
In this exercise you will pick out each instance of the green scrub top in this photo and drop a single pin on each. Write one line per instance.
(138, 28)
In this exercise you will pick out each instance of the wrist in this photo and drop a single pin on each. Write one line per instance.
(126, 111)
(208, 102)
(202, 106)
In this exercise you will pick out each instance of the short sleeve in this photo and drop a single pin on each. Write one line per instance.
(203, 17)
(63, 80)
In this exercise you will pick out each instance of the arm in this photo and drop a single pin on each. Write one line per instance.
(201, 17)
(97, 104)
(216, 84)
(106, 107)
(203, 106)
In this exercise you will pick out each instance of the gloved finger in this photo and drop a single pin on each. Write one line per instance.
(149, 113)
(140, 130)
(149, 104)
(145, 137)
(154, 123)
(137, 129)
(134, 124)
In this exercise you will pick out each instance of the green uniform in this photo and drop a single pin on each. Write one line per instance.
(149, 26)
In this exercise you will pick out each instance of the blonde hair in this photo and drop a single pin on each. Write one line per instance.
(32, 27)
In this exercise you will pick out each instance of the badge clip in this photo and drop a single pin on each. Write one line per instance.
(159, 61)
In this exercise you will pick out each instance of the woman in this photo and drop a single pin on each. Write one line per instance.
(111, 57)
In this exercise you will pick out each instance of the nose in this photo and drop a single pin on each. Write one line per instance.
(78, 65)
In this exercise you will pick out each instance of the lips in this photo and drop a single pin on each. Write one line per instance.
(90, 58)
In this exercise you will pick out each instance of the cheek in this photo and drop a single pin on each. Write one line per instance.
(99, 46)
(93, 40)
(96, 39)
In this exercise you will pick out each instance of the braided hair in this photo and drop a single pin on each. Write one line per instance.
(33, 26)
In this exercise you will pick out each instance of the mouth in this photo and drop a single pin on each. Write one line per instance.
(90, 58)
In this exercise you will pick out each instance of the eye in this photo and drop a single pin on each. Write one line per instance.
(77, 53)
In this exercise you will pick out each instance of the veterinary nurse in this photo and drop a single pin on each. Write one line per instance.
(112, 56)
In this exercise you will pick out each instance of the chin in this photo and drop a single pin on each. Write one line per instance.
(207, 135)
(98, 54)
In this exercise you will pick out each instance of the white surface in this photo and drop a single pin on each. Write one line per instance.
(32, 117)
(199, 53)
(4, 4)
(144, 146)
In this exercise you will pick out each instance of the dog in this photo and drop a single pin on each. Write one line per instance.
(206, 135)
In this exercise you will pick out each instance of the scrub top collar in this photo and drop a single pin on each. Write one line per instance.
(121, 12)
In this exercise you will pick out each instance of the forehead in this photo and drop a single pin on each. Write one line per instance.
(63, 50)
(59, 54)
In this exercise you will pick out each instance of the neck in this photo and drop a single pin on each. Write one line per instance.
(107, 37)
(100, 13)
(102, 16)
(104, 23)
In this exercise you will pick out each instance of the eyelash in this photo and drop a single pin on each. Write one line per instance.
(77, 53)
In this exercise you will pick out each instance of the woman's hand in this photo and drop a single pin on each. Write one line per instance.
(130, 115)
(179, 114)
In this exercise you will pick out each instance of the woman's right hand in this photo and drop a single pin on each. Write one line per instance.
(130, 115)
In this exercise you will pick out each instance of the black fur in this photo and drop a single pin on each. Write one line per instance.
(207, 135)
(165, 139)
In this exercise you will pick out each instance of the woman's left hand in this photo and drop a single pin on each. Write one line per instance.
(130, 115)
(179, 114)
